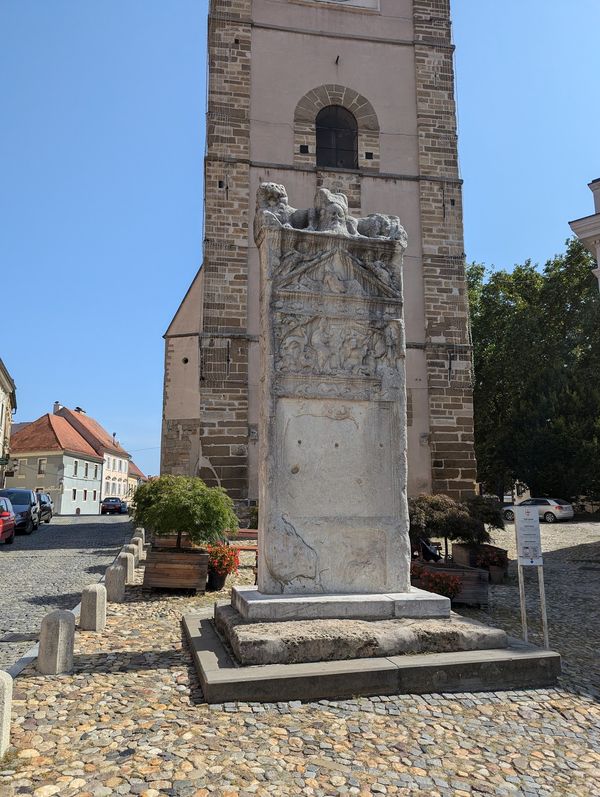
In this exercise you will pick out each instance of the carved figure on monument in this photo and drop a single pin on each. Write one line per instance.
(329, 215)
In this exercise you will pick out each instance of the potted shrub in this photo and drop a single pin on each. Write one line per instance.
(174, 506)
(223, 559)
(494, 560)
(436, 580)
(442, 517)
(476, 552)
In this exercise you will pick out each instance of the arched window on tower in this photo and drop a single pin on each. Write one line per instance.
(337, 138)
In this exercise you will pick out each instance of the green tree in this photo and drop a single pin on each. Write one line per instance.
(181, 504)
(536, 338)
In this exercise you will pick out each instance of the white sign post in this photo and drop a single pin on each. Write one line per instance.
(529, 554)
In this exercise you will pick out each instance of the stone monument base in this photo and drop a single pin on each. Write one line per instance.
(222, 679)
(297, 641)
(257, 607)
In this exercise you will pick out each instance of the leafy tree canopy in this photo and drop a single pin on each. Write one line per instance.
(179, 504)
(536, 338)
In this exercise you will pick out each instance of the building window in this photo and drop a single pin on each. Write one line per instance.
(21, 468)
(42, 467)
(95, 495)
(85, 470)
(74, 495)
(75, 467)
(337, 138)
(95, 471)
(107, 487)
(85, 495)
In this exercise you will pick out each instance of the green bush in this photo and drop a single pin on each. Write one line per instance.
(441, 516)
(184, 504)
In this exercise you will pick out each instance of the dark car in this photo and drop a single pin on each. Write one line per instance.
(46, 505)
(7, 521)
(27, 511)
(112, 506)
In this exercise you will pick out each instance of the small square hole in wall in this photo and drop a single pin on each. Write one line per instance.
(236, 41)
(369, 156)
(453, 202)
(304, 149)
(221, 183)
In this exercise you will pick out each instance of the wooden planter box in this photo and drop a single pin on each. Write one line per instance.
(166, 567)
(463, 554)
(171, 542)
(475, 582)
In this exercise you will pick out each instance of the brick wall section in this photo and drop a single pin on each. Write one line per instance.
(448, 351)
(215, 445)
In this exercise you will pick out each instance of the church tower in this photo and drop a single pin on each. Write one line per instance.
(356, 96)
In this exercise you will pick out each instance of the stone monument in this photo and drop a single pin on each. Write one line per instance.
(332, 434)
(334, 613)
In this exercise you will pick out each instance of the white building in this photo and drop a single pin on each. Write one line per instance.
(8, 404)
(114, 457)
(587, 229)
(50, 456)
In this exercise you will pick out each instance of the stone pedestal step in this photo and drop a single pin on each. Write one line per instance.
(518, 666)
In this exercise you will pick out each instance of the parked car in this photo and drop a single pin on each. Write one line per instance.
(27, 511)
(7, 521)
(112, 506)
(46, 505)
(549, 509)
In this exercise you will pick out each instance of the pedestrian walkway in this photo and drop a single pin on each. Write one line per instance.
(131, 719)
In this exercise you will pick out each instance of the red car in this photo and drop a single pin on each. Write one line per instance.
(7, 521)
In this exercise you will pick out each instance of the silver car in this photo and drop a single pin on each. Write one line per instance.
(549, 509)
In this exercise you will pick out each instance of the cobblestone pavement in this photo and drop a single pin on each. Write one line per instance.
(47, 570)
(131, 720)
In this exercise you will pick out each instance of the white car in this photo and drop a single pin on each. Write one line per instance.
(549, 509)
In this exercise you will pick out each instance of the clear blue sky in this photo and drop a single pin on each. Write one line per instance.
(101, 152)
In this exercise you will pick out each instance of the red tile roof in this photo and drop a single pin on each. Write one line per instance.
(50, 433)
(102, 440)
(135, 471)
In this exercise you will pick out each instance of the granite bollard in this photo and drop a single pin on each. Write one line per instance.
(134, 551)
(6, 686)
(127, 561)
(139, 543)
(57, 636)
(140, 532)
(114, 578)
(93, 608)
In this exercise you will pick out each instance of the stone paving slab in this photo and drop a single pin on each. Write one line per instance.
(132, 718)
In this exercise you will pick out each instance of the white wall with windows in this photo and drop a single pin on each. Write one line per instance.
(72, 482)
(114, 478)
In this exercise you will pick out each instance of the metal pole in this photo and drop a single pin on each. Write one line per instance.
(543, 606)
(522, 599)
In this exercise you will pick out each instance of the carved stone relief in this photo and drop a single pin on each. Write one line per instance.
(333, 410)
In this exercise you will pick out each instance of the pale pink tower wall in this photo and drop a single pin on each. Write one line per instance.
(390, 62)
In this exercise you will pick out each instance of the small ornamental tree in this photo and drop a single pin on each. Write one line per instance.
(184, 504)
(440, 516)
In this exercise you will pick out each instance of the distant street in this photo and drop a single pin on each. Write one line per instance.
(47, 570)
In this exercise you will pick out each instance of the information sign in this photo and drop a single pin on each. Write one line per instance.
(529, 542)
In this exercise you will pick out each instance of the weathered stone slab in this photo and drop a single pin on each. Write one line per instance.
(256, 606)
(57, 637)
(93, 608)
(331, 640)
(114, 579)
(6, 688)
(518, 666)
(332, 478)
